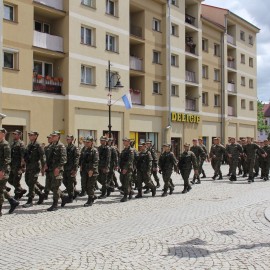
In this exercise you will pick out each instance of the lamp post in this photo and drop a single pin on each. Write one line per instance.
(117, 85)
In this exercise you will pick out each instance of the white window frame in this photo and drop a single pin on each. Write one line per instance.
(217, 75)
(84, 70)
(251, 83)
(217, 100)
(242, 35)
(111, 7)
(174, 60)
(250, 40)
(205, 45)
(243, 103)
(205, 98)
(174, 30)
(114, 78)
(156, 87)
(250, 61)
(174, 90)
(84, 29)
(111, 46)
(243, 81)
(89, 3)
(174, 3)
(243, 58)
(156, 25)
(156, 57)
(42, 27)
(43, 63)
(216, 49)
(13, 12)
(205, 73)
(251, 106)
(15, 58)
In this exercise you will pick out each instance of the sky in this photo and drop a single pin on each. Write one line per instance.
(257, 13)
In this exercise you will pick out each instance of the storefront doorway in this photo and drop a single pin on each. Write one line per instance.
(176, 146)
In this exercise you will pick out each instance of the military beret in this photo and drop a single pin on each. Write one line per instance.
(187, 144)
(56, 133)
(126, 139)
(103, 138)
(17, 132)
(3, 130)
(89, 139)
(33, 133)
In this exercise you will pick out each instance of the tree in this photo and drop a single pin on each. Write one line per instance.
(260, 118)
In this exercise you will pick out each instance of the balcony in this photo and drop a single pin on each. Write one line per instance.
(190, 45)
(231, 88)
(49, 42)
(136, 63)
(190, 76)
(190, 19)
(136, 96)
(47, 84)
(230, 39)
(190, 104)
(231, 64)
(136, 31)
(231, 111)
(56, 4)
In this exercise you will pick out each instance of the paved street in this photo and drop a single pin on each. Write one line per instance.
(218, 225)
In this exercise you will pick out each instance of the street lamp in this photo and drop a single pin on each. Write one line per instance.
(117, 85)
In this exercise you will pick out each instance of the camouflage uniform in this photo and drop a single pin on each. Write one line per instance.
(17, 167)
(216, 154)
(187, 160)
(266, 163)
(113, 164)
(200, 155)
(83, 179)
(47, 152)
(154, 165)
(203, 160)
(235, 150)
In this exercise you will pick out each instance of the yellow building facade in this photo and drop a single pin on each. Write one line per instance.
(55, 73)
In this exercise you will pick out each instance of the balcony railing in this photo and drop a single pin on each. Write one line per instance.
(230, 39)
(190, 19)
(136, 31)
(190, 45)
(57, 4)
(190, 76)
(49, 42)
(231, 111)
(136, 96)
(190, 104)
(47, 84)
(136, 63)
(231, 64)
(231, 88)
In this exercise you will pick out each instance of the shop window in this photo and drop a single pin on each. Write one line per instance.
(140, 137)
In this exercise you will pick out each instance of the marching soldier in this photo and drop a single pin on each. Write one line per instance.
(266, 161)
(104, 153)
(187, 161)
(126, 163)
(17, 164)
(216, 154)
(167, 163)
(5, 159)
(55, 167)
(35, 160)
(243, 158)
(47, 152)
(234, 152)
(144, 169)
(70, 169)
(90, 161)
(112, 180)
(203, 159)
(83, 179)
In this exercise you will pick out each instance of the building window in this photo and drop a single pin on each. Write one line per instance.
(174, 60)
(216, 49)
(205, 98)
(205, 72)
(250, 62)
(205, 45)
(250, 83)
(83, 133)
(111, 43)
(156, 57)
(216, 100)
(251, 106)
(174, 30)
(243, 103)
(89, 3)
(10, 59)
(87, 36)
(156, 25)
(43, 68)
(42, 27)
(141, 137)
(250, 40)
(175, 90)
(111, 7)
(243, 81)
(156, 87)
(114, 78)
(242, 35)
(9, 12)
(87, 74)
(243, 59)
(174, 2)
(216, 75)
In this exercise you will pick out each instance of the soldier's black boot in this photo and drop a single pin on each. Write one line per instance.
(82, 193)
(124, 199)
(189, 187)
(185, 190)
(103, 195)
(198, 180)
(193, 180)
(40, 186)
(244, 175)
(139, 195)
(130, 195)
(0, 210)
(214, 177)
(158, 184)
(164, 194)
(240, 172)
(41, 198)
(76, 194)
(220, 177)
(171, 190)
(233, 178)
(13, 204)
(203, 173)
(147, 190)
(154, 191)
(29, 203)
(89, 202)
(46, 194)
(65, 200)
(54, 206)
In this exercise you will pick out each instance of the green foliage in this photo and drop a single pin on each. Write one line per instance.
(260, 118)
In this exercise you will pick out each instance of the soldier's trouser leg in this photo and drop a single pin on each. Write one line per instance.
(155, 175)
(102, 179)
(126, 182)
(185, 175)
(213, 162)
(201, 166)
(55, 186)
(148, 181)
(250, 166)
(14, 180)
(139, 179)
(90, 186)
(69, 183)
(3, 193)
(83, 181)
(31, 178)
(233, 166)
(47, 183)
(166, 179)
(65, 178)
(217, 166)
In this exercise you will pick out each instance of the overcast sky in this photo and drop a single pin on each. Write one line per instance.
(256, 12)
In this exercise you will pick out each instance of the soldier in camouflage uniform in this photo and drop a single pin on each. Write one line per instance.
(35, 160)
(70, 170)
(234, 152)
(126, 163)
(112, 180)
(199, 154)
(243, 158)
(47, 152)
(216, 154)
(167, 163)
(83, 179)
(5, 159)
(144, 169)
(17, 164)
(187, 161)
(203, 159)
(104, 153)
(55, 167)
(266, 161)
(90, 161)
(250, 150)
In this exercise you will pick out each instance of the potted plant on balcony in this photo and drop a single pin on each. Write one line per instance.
(39, 76)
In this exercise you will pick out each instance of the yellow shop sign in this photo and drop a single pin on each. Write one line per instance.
(182, 117)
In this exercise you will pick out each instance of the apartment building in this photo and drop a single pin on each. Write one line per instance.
(57, 56)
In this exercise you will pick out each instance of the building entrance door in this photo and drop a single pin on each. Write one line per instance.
(176, 146)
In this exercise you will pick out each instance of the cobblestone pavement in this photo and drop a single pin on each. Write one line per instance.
(218, 225)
